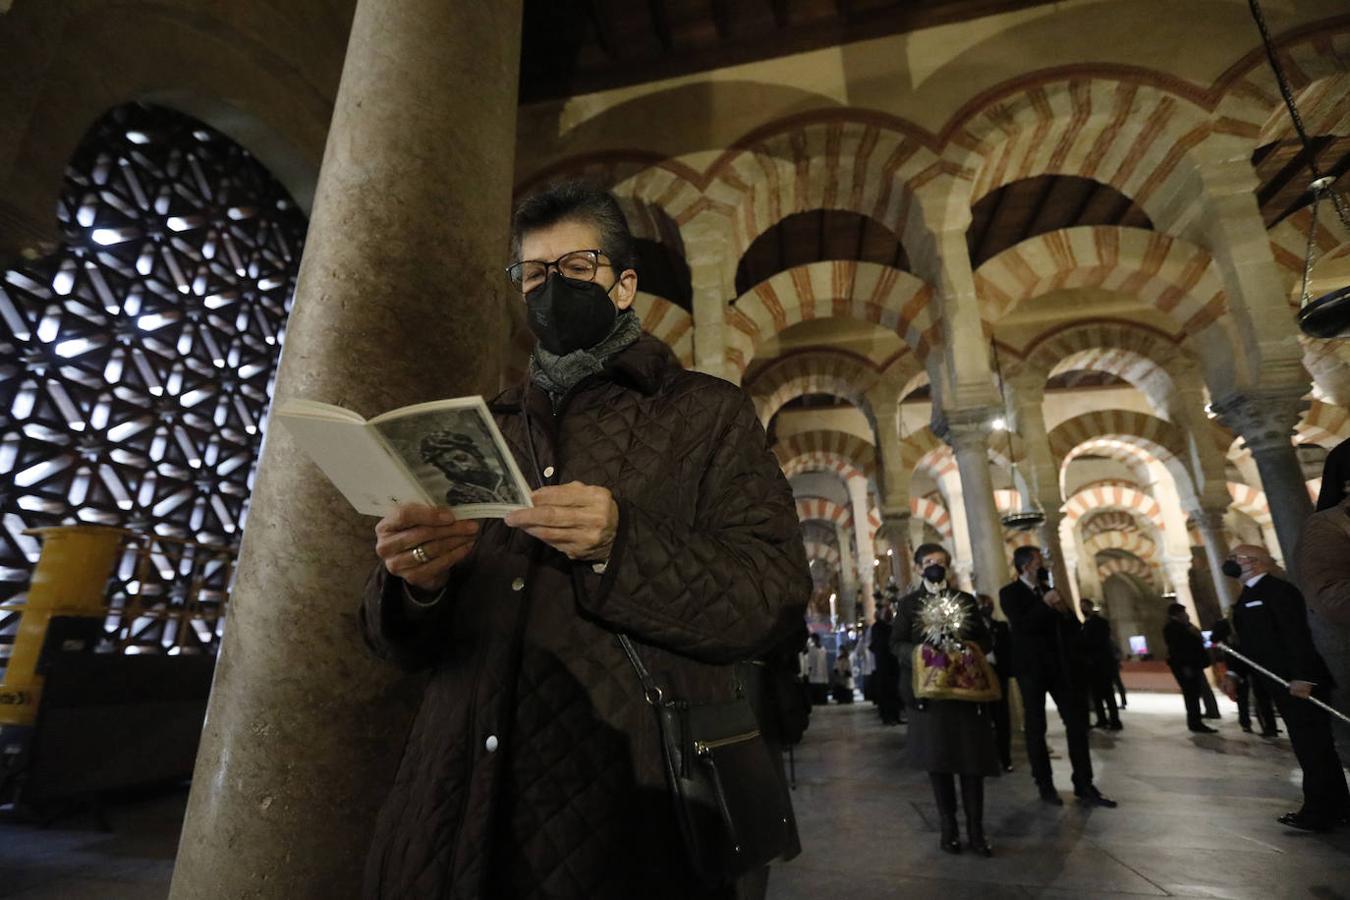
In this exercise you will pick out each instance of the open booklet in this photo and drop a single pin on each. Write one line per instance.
(443, 453)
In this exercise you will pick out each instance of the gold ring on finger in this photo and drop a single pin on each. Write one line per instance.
(419, 554)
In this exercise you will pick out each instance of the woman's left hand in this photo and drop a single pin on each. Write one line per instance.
(578, 519)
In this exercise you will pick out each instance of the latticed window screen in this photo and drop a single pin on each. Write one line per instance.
(136, 362)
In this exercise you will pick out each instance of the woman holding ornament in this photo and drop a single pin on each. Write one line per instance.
(939, 631)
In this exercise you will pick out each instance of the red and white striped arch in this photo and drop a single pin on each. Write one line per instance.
(1251, 501)
(669, 322)
(1113, 497)
(1323, 424)
(926, 509)
(1154, 438)
(1137, 138)
(832, 372)
(1133, 542)
(1171, 274)
(810, 509)
(815, 550)
(1127, 565)
(863, 165)
(846, 454)
(868, 292)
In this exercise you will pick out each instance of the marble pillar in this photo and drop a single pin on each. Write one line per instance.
(402, 267)
(1266, 422)
(1178, 569)
(967, 431)
(895, 528)
(1209, 522)
(864, 546)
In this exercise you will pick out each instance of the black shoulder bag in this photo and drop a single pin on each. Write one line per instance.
(731, 805)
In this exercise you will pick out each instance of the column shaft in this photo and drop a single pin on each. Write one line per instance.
(967, 433)
(398, 302)
(1209, 522)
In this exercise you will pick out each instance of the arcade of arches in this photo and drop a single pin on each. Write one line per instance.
(962, 271)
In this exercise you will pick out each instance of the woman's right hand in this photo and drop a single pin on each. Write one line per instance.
(444, 540)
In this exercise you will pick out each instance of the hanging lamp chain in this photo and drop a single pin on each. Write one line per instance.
(1320, 185)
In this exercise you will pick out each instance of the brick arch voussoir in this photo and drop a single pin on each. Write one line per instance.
(821, 509)
(814, 372)
(1113, 497)
(860, 166)
(669, 322)
(868, 292)
(935, 514)
(1137, 137)
(1175, 276)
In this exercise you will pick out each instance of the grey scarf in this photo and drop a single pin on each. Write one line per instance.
(559, 374)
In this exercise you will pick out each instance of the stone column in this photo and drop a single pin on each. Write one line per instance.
(1266, 422)
(1178, 570)
(848, 572)
(402, 266)
(1209, 522)
(895, 528)
(967, 431)
(706, 244)
(857, 492)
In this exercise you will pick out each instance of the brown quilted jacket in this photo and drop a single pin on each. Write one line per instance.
(707, 568)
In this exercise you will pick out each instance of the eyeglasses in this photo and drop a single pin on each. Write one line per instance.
(579, 265)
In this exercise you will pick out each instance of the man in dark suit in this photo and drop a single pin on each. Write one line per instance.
(1245, 685)
(1271, 623)
(1044, 632)
(1100, 660)
(1000, 658)
(887, 675)
(1188, 659)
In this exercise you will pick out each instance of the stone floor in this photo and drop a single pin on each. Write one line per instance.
(1196, 820)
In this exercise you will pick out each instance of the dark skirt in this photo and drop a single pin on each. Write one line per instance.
(953, 736)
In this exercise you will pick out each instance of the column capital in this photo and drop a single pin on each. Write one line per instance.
(1265, 419)
(965, 429)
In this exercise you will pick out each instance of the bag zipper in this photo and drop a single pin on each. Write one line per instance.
(703, 748)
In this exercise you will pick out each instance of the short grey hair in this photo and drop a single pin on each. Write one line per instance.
(577, 201)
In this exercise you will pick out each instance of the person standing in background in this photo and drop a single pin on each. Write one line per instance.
(1272, 628)
(1001, 660)
(886, 678)
(1044, 630)
(1101, 665)
(817, 671)
(1188, 659)
(1245, 685)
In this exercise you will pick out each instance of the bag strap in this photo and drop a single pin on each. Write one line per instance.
(651, 691)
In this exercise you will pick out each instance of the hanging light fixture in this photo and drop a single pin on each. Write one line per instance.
(1327, 316)
(1029, 516)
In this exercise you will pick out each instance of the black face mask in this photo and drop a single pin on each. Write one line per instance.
(1043, 575)
(935, 573)
(568, 315)
(1231, 568)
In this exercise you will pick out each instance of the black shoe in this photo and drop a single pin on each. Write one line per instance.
(1050, 795)
(1115, 726)
(979, 846)
(1275, 733)
(1204, 729)
(950, 842)
(1247, 728)
(1212, 716)
(1008, 767)
(1094, 797)
(1304, 822)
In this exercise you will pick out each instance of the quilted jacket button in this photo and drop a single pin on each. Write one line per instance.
(518, 584)
(548, 473)
(490, 745)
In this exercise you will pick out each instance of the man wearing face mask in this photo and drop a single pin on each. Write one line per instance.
(1044, 635)
(1271, 624)
(535, 766)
